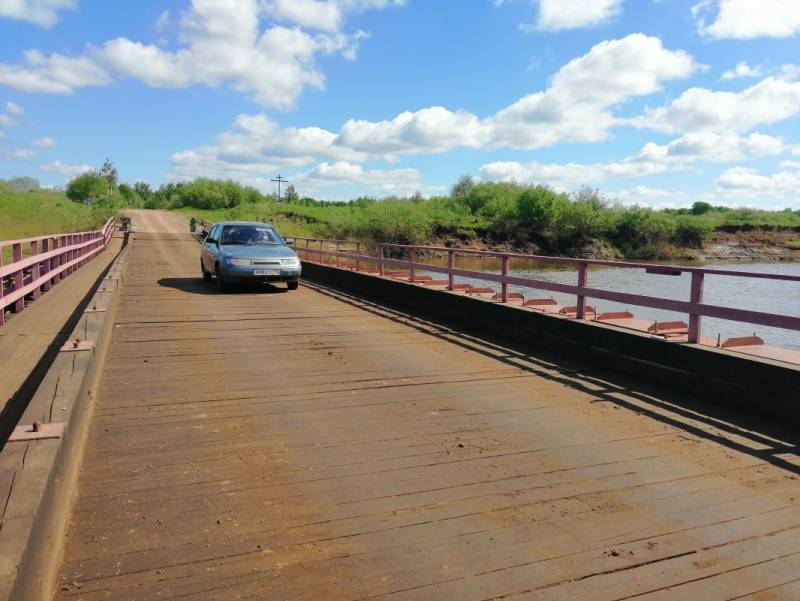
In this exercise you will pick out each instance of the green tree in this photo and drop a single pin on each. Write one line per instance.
(143, 190)
(540, 208)
(291, 194)
(90, 186)
(700, 208)
(109, 172)
(491, 197)
(22, 184)
(463, 185)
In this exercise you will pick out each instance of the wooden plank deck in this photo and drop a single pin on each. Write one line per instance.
(272, 445)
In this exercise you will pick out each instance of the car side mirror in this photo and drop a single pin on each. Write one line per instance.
(211, 241)
(289, 241)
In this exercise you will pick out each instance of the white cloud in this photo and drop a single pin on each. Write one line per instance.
(22, 153)
(13, 108)
(747, 19)
(162, 22)
(256, 144)
(567, 176)
(644, 196)
(222, 44)
(742, 69)
(575, 107)
(790, 72)
(555, 15)
(698, 109)
(384, 182)
(2, 135)
(39, 12)
(316, 14)
(67, 169)
(746, 182)
(326, 15)
(45, 142)
(6, 120)
(650, 159)
(53, 74)
(434, 129)
(710, 146)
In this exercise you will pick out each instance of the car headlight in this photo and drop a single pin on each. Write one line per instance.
(240, 262)
(292, 262)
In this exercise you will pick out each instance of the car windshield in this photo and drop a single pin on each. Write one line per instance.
(249, 234)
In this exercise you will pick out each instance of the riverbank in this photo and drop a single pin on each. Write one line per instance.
(764, 245)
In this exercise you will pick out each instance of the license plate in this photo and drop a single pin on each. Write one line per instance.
(266, 272)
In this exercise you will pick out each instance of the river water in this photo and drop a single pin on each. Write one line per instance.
(771, 296)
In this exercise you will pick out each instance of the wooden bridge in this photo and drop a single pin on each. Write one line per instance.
(315, 445)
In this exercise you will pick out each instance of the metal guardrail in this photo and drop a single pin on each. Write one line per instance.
(39, 263)
(328, 251)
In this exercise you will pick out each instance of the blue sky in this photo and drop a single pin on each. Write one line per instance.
(657, 102)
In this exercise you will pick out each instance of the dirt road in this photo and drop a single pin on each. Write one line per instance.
(165, 222)
(306, 445)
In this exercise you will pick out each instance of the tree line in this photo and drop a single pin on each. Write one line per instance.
(531, 217)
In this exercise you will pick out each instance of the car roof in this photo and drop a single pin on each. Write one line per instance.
(259, 223)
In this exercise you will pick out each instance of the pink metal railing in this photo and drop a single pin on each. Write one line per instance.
(39, 263)
(315, 250)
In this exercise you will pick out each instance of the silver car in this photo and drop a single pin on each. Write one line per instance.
(248, 251)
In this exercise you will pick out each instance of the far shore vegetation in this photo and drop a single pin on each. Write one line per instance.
(530, 218)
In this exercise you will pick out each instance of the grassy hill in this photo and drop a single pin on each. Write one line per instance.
(39, 212)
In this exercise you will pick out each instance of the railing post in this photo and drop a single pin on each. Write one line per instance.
(412, 255)
(338, 258)
(70, 254)
(380, 257)
(358, 252)
(37, 292)
(696, 298)
(2, 287)
(504, 271)
(451, 265)
(46, 264)
(583, 277)
(321, 256)
(16, 253)
(59, 258)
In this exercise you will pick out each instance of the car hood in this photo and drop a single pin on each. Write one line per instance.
(238, 251)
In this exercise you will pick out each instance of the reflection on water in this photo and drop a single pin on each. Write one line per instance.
(771, 296)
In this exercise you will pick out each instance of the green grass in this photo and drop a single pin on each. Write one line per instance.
(793, 245)
(40, 212)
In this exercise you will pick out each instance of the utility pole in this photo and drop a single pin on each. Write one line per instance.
(280, 181)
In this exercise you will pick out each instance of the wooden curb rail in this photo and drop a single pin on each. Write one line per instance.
(40, 475)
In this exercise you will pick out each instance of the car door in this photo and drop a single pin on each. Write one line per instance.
(208, 250)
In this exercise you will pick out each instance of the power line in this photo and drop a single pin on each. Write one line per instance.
(280, 181)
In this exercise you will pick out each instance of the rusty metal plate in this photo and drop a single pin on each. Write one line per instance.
(36, 432)
(77, 345)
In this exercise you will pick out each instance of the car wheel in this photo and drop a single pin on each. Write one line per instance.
(206, 274)
(220, 281)
(292, 285)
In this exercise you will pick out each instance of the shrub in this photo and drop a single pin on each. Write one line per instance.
(88, 186)
(690, 232)
(642, 232)
(540, 208)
